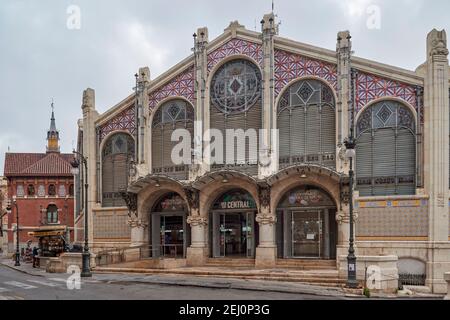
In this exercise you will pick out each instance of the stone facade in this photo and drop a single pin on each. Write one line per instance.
(412, 226)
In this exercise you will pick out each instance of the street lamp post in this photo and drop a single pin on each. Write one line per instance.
(350, 144)
(9, 208)
(86, 256)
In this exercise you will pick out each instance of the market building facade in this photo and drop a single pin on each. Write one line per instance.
(295, 206)
(42, 186)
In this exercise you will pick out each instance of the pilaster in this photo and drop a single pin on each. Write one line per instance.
(437, 134)
(199, 166)
(268, 151)
(90, 115)
(343, 103)
(142, 116)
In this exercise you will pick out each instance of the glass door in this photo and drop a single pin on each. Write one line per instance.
(172, 236)
(306, 234)
(233, 235)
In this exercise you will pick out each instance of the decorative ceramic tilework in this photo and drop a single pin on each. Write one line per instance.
(289, 66)
(182, 85)
(111, 225)
(234, 47)
(370, 87)
(126, 120)
(392, 222)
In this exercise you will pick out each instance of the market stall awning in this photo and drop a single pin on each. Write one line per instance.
(48, 231)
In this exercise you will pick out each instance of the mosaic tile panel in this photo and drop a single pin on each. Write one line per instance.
(370, 87)
(234, 47)
(182, 85)
(290, 66)
(111, 225)
(126, 120)
(392, 222)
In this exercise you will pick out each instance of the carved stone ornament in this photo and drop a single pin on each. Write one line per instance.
(438, 43)
(264, 196)
(131, 202)
(137, 223)
(342, 217)
(197, 221)
(193, 198)
(266, 219)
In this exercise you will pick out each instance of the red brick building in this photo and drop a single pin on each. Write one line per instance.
(42, 184)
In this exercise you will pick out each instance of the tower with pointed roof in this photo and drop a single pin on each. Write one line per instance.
(53, 135)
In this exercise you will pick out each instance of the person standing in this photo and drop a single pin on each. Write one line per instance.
(35, 257)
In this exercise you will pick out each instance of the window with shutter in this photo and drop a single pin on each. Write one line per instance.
(117, 154)
(386, 150)
(172, 115)
(306, 123)
(236, 104)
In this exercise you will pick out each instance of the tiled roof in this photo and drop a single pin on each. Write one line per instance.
(37, 164)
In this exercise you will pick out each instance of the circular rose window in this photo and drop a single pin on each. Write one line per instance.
(236, 87)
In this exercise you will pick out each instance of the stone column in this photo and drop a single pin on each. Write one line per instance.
(90, 115)
(142, 116)
(201, 101)
(268, 152)
(197, 252)
(266, 252)
(436, 149)
(343, 103)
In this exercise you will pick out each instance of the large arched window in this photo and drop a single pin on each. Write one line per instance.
(307, 125)
(386, 150)
(117, 154)
(172, 115)
(236, 104)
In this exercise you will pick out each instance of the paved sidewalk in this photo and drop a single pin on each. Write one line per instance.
(220, 283)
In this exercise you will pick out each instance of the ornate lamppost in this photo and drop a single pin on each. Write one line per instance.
(9, 208)
(86, 270)
(350, 144)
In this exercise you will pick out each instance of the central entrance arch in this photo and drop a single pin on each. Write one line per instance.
(306, 224)
(169, 234)
(233, 231)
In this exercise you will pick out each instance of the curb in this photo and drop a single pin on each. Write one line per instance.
(20, 270)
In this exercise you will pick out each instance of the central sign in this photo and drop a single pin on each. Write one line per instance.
(235, 199)
(236, 205)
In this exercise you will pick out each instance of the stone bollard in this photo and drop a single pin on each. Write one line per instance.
(447, 278)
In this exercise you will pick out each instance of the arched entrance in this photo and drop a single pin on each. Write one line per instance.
(169, 234)
(306, 224)
(233, 231)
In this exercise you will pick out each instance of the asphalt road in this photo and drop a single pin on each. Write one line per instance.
(15, 285)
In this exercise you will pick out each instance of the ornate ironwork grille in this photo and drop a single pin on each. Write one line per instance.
(386, 150)
(236, 104)
(307, 125)
(174, 114)
(117, 155)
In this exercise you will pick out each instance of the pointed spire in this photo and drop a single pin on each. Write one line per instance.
(52, 133)
(52, 120)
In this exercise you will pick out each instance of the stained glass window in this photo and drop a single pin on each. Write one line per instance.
(236, 86)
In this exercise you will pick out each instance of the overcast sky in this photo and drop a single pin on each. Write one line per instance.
(41, 58)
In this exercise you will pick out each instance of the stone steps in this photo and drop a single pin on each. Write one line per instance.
(319, 277)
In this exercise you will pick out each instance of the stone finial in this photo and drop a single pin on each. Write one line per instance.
(344, 40)
(268, 23)
(202, 35)
(88, 99)
(234, 26)
(437, 43)
(144, 74)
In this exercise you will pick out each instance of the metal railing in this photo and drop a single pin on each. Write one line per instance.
(408, 279)
(121, 255)
(168, 251)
